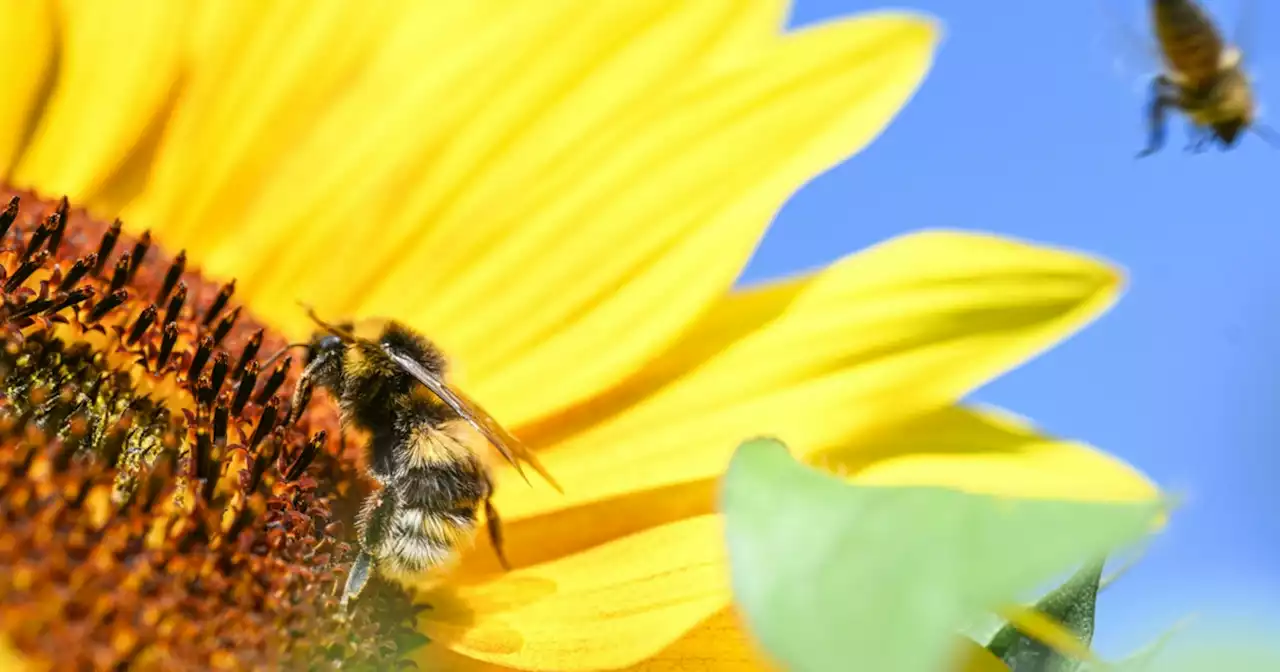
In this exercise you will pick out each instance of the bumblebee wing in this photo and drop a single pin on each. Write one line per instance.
(511, 448)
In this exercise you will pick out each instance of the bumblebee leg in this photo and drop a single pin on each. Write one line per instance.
(1202, 143)
(495, 532)
(1161, 100)
(301, 397)
(1201, 138)
(356, 579)
(372, 523)
(1195, 139)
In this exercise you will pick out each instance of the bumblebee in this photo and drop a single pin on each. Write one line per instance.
(423, 451)
(1204, 78)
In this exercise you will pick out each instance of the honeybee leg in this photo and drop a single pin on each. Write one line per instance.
(1163, 96)
(372, 522)
(495, 532)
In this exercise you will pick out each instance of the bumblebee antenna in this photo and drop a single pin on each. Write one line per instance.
(271, 360)
(344, 334)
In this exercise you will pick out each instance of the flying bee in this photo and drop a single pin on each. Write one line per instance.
(422, 452)
(1204, 77)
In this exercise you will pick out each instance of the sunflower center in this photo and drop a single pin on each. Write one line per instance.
(160, 499)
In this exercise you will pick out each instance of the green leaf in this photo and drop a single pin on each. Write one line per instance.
(1072, 604)
(831, 576)
(984, 627)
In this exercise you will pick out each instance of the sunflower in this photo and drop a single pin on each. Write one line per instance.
(561, 194)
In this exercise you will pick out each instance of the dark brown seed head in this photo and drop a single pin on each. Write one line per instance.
(139, 253)
(174, 309)
(168, 339)
(250, 351)
(77, 271)
(140, 325)
(55, 240)
(7, 216)
(172, 275)
(106, 245)
(142, 529)
(219, 302)
(199, 358)
(120, 276)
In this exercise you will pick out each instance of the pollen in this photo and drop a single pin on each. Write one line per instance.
(163, 506)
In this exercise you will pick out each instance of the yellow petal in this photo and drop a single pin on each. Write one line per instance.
(756, 24)
(899, 330)
(116, 69)
(1016, 460)
(653, 221)
(563, 205)
(262, 75)
(440, 659)
(29, 29)
(608, 607)
(721, 643)
(954, 446)
(403, 129)
(718, 643)
(593, 576)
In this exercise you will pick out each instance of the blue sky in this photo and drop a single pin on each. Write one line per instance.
(1025, 127)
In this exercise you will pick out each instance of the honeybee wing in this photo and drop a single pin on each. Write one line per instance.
(1249, 14)
(1133, 56)
(511, 448)
(1243, 36)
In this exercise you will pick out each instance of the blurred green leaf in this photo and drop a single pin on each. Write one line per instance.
(1072, 604)
(982, 627)
(832, 576)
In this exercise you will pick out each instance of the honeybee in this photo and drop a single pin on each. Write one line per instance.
(421, 452)
(1203, 76)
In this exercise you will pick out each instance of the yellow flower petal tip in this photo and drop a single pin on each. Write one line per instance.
(910, 28)
(1005, 251)
(1092, 281)
(883, 336)
(991, 451)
